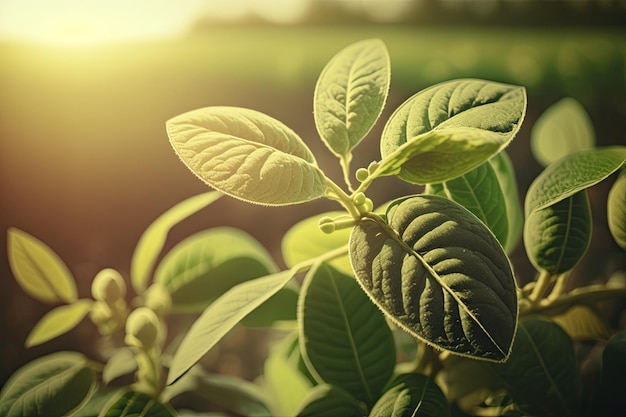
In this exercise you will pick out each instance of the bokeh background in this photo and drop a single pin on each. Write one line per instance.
(86, 88)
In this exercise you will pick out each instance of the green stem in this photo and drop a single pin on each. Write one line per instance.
(540, 288)
(344, 161)
(344, 199)
(559, 286)
(428, 361)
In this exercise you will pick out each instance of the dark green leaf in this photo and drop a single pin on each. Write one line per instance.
(616, 210)
(411, 395)
(613, 370)
(136, 404)
(280, 307)
(330, 401)
(232, 394)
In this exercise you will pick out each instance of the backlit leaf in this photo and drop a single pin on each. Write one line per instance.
(278, 309)
(562, 129)
(616, 210)
(205, 265)
(51, 385)
(440, 274)
(505, 172)
(448, 129)
(571, 174)
(344, 338)
(58, 321)
(247, 154)
(38, 270)
(122, 362)
(350, 94)
(557, 237)
(582, 322)
(136, 404)
(326, 400)
(221, 316)
(153, 238)
(411, 395)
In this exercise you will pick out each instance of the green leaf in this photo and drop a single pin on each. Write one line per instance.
(247, 155)
(97, 401)
(221, 316)
(616, 210)
(480, 192)
(38, 270)
(280, 308)
(51, 385)
(205, 265)
(305, 241)
(350, 94)
(136, 404)
(564, 128)
(440, 274)
(571, 174)
(505, 172)
(557, 237)
(448, 129)
(153, 238)
(344, 338)
(542, 373)
(611, 390)
(411, 395)
(58, 321)
(330, 401)
(583, 323)
(122, 362)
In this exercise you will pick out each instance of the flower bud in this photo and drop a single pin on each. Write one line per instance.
(158, 299)
(108, 285)
(143, 329)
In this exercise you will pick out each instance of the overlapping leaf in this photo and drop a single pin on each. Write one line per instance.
(326, 400)
(411, 395)
(247, 154)
(616, 210)
(136, 404)
(505, 172)
(440, 274)
(58, 321)
(450, 128)
(350, 94)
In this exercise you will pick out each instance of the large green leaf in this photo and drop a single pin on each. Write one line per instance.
(153, 238)
(305, 241)
(247, 155)
(136, 404)
(542, 372)
(562, 129)
(51, 385)
(58, 321)
(611, 392)
(556, 237)
(616, 210)
(326, 400)
(350, 94)
(480, 192)
(38, 270)
(440, 274)
(279, 310)
(221, 316)
(505, 172)
(450, 128)
(344, 338)
(411, 395)
(205, 265)
(571, 174)
(582, 322)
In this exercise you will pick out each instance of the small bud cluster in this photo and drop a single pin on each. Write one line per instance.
(109, 311)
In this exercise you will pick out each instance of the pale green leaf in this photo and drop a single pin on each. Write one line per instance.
(38, 270)
(571, 174)
(564, 128)
(505, 172)
(122, 362)
(221, 316)
(583, 323)
(616, 210)
(153, 238)
(556, 237)
(448, 129)
(247, 155)
(350, 94)
(330, 401)
(279, 310)
(51, 385)
(411, 395)
(97, 401)
(58, 321)
(439, 273)
(542, 373)
(205, 265)
(136, 404)
(344, 338)
(305, 241)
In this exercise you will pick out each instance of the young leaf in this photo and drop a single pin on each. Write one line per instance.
(411, 395)
(58, 321)
(247, 155)
(564, 128)
(350, 94)
(305, 241)
(122, 362)
(38, 270)
(222, 316)
(480, 192)
(448, 129)
(51, 385)
(440, 274)
(542, 373)
(505, 172)
(153, 238)
(136, 404)
(205, 265)
(330, 401)
(557, 237)
(616, 210)
(344, 338)
(571, 174)
(584, 323)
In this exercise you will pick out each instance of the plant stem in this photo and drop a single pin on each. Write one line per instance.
(559, 286)
(344, 199)
(540, 288)
(344, 161)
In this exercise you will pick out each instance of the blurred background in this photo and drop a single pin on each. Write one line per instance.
(86, 87)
